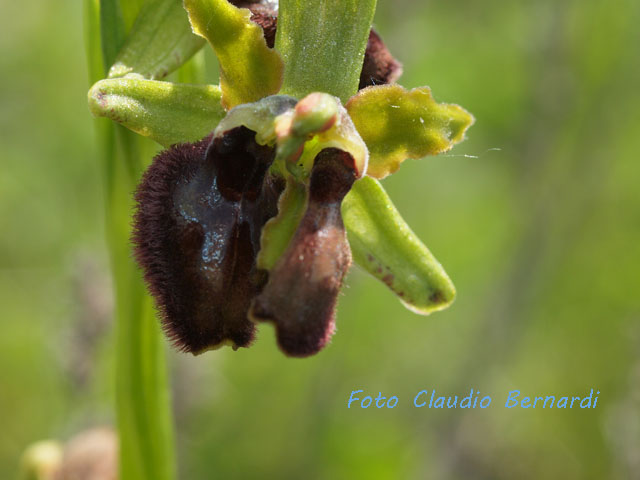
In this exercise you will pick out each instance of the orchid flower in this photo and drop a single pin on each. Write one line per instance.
(269, 184)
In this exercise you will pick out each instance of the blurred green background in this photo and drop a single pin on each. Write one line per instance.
(540, 233)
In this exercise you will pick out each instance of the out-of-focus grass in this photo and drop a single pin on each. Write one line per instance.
(540, 236)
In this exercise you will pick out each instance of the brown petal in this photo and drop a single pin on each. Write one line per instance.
(197, 233)
(379, 66)
(301, 294)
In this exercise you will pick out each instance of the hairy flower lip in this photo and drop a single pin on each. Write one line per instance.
(197, 234)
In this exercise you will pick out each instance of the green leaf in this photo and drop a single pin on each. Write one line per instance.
(397, 124)
(130, 10)
(92, 41)
(167, 112)
(384, 245)
(112, 30)
(322, 43)
(249, 70)
(160, 41)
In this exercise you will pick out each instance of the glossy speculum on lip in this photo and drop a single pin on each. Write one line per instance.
(201, 208)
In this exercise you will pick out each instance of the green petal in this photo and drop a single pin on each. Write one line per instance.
(397, 124)
(167, 112)
(384, 245)
(278, 231)
(322, 43)
(160, 41)
(249, 70)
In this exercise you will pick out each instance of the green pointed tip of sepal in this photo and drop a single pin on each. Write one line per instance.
(166, 112)
(249, 69)
(397, 124)
(384, 245)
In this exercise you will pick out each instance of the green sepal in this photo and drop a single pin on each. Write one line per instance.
(166, 112)
(322, 43)
(384, 245)
(160, 41)
(397, 124)
(278, 231)
(249, 69)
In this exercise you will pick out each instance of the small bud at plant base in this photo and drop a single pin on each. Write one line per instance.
(91, 455)
(41, 461)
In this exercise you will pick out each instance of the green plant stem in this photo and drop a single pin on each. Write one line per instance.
(142, 390)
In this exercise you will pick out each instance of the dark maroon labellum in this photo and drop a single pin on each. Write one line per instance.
(197, 233)
(303, 287)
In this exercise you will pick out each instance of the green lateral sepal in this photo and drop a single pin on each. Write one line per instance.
(384, 245)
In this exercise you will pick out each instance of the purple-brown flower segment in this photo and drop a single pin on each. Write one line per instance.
(379, 66)
(201, 208)
(303, 287)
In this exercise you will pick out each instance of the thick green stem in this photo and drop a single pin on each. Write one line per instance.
(143, 398)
